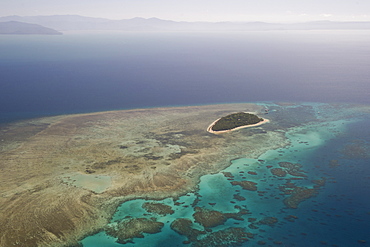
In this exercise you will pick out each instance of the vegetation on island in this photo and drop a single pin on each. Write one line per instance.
(235, 120)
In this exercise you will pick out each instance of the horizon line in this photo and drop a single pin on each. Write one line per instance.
(225, 21)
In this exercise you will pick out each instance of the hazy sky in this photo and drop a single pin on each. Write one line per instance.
(197, 10)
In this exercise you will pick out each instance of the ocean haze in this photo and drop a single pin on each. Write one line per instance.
(76, 22)
(238, 10)
(82, 72)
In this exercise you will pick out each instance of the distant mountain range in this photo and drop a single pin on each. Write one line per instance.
(75, 22)
(16, 27)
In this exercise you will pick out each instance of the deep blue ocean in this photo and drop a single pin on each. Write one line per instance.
(84, 72)
(88, 72)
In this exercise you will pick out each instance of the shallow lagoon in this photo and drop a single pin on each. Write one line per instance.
(337, 214)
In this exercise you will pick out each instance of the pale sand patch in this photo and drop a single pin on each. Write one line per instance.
(95, 183)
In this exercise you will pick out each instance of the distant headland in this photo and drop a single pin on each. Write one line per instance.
(83, 23)
(235, 121)
(16, 27)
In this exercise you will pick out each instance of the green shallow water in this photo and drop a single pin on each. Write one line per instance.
(336, 215)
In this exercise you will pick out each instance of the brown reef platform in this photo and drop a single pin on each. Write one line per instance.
(63, 177)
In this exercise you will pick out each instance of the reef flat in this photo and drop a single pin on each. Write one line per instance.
(63, 177)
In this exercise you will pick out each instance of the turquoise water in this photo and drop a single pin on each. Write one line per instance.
(338, 214)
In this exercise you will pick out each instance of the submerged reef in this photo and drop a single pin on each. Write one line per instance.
(246, 185)
(271, 221)
(131, 228)
(212, 218)
(278, 172)
(293, 169)
(298, 195)
(157, 208)
(232, 236)
(202, 234)
(357, 149)
(209, 218)
(186, 228)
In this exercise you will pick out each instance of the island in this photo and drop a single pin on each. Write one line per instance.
(235, 121)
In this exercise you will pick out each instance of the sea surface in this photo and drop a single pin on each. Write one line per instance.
(88, 72)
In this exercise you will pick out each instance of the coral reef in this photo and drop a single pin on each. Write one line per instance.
(184, 227)
(278, 172)
(224, 238)
(298, 195)
(157, 208)
(293, 169)
(131, 228)
(271, 221)
(209, 218)
(246, 185)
